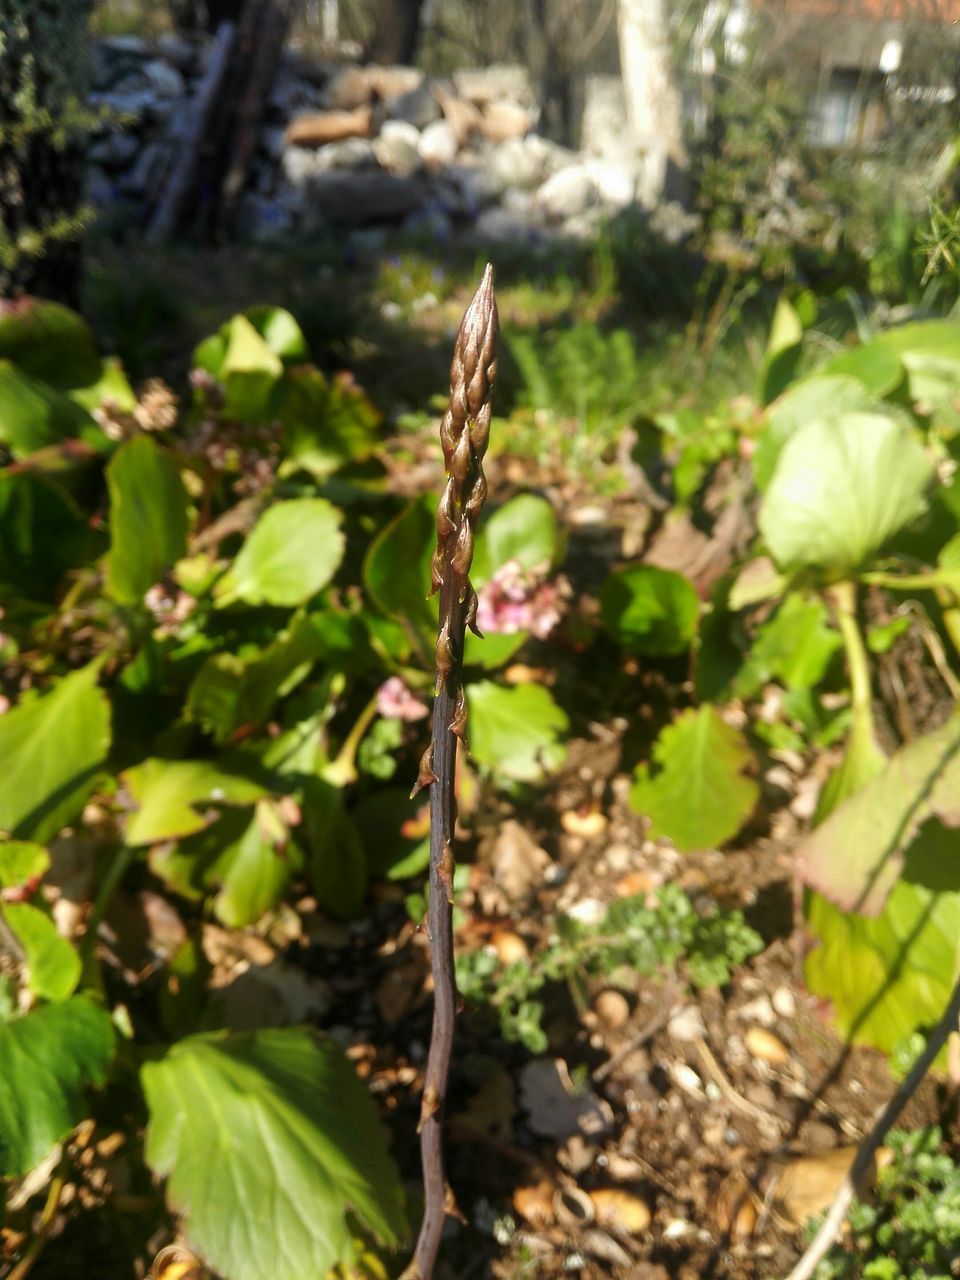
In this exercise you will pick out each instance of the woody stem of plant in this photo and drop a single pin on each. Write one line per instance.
(463, 435)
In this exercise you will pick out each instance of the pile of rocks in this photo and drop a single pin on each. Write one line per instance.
(350, 146)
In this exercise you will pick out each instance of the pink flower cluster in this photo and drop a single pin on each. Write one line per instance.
(396, 702)
(517, 599)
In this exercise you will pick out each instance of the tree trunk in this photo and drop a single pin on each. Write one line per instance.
(44, 68)
(396, 32)
(654, 102)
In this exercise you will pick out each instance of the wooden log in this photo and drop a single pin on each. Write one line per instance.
(269, 21)
(171, 209)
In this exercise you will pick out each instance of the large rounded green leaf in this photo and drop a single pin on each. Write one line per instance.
(53, 966)
(270, 1143)
(650, 610)
(148, 518)
(890, 974)
(170, 794)
(47, 1059)
(397, 568)
(48, 341)
(51, 748)
(700, 795)
(818, 399)
(515, 731)
(523, 529)
(293, 552)
(245, 858)
(841, 489)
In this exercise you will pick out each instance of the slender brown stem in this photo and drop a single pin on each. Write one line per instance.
(463, 435)
(831, 1226)
(47, 1217)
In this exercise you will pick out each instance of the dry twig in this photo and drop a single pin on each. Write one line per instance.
(833, 1222)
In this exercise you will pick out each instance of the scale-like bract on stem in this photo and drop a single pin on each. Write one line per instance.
(464, 431)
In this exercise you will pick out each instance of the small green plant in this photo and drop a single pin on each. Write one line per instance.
(909, 1228)
(636, 935)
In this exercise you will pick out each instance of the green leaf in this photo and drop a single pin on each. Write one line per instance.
(336, 861)
(21, 862)
(43, 534)
(33, 414)
(168, 794)
(523, 529)
(700, 796)
(819, 399)
(148, 518)
(293, 551)
(249, 373)
(47, 1060)
(930, 351)
(230, 692)
(783, 350)
(52, 747)
(841, 489)
(890, 974)
(794, 647)
(875, 365)
(280, 332)
(48, 341)
(395, 832)
(325, 423)
(514, 732)
(269, 1141)
(247, 860)
(856, 855)
(53, 966)
(397, 568)
(650, 610)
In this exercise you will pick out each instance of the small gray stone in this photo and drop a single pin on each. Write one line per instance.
(299, 164)
(351, 153)
(114, 150)
(178, 51)
(134, 46)
(515, 164)
(438, 144)
(355, 197)
(164, 79)
(397, 147)
(616, 183)
(568, 192)
(498, 82)
(135, 105)
(478, 184)
(418, 107)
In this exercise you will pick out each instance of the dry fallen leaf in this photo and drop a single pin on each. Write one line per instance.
(621, 1210)
(736, 1208)
(518, 862)
(763, 1044)
(555, 1109)
(805, 1186)
(509, 946)
(534, 1202)
(588, 822)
